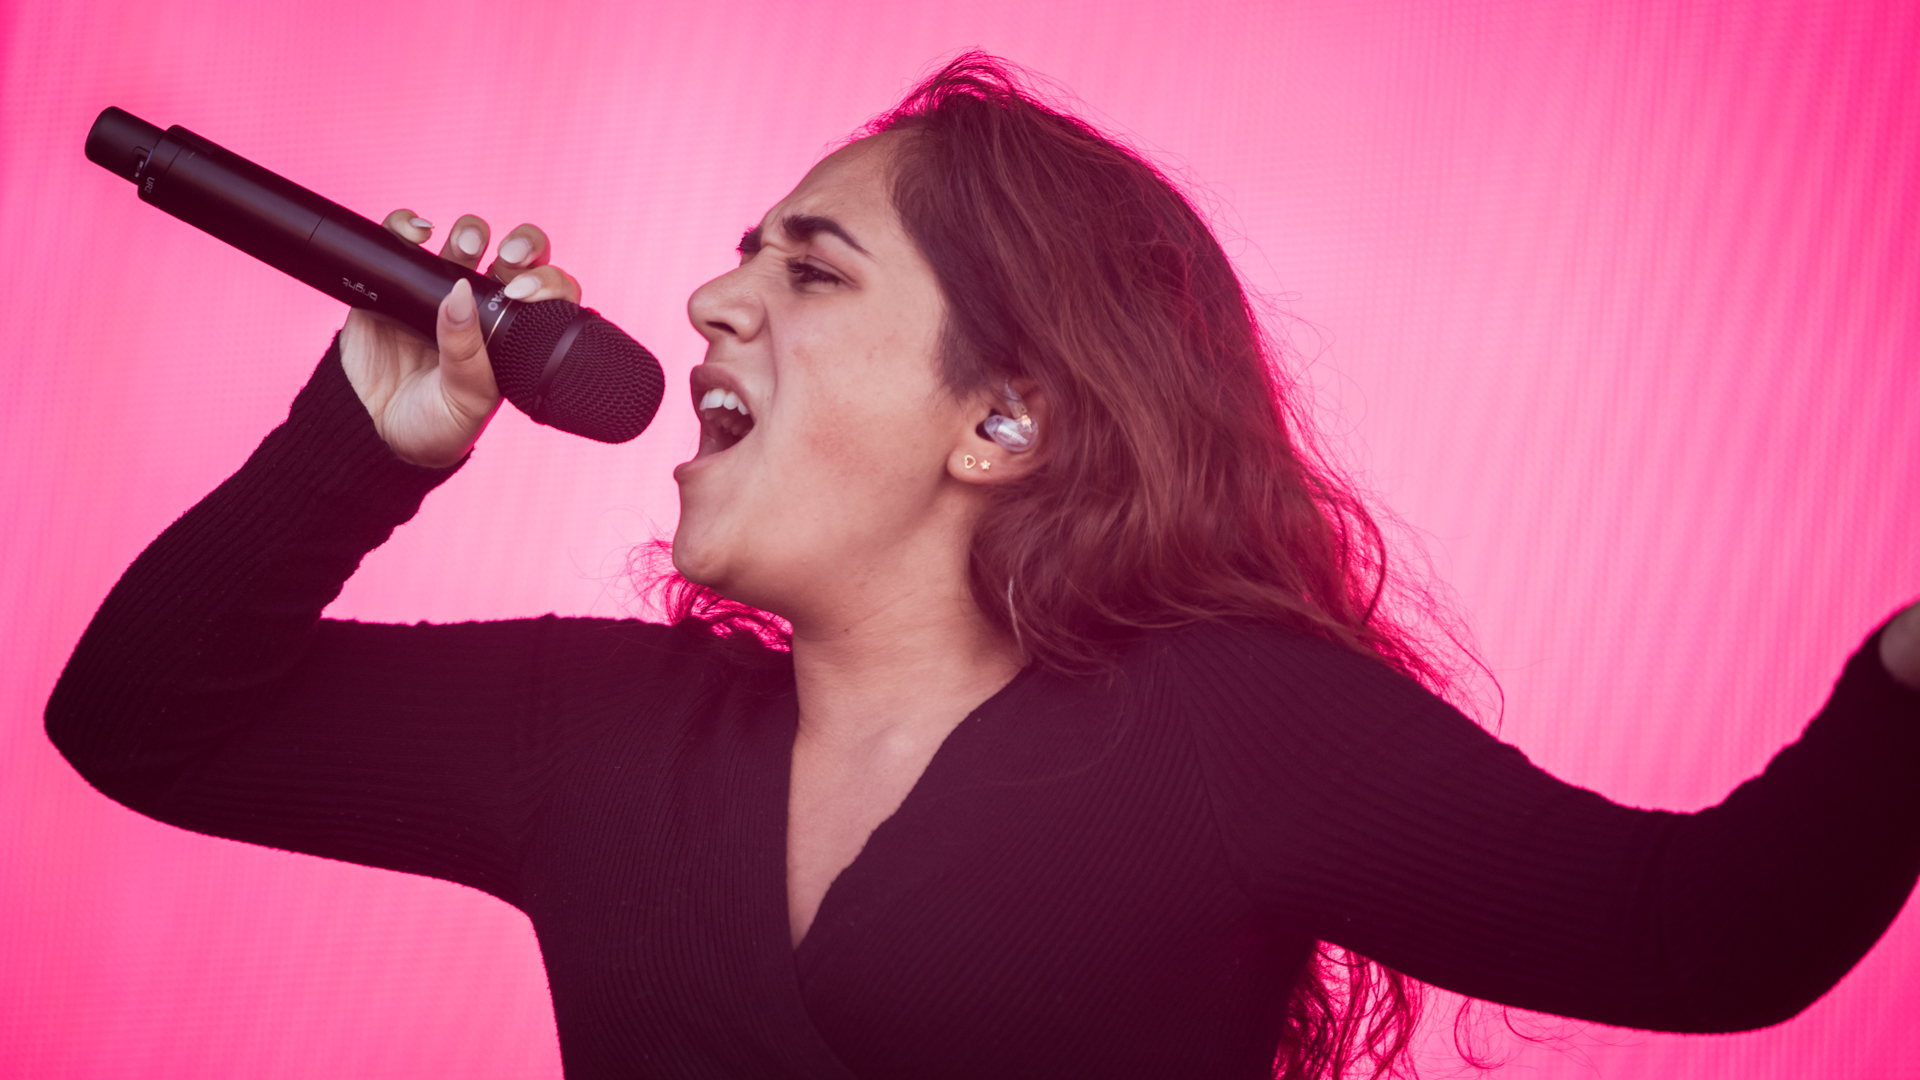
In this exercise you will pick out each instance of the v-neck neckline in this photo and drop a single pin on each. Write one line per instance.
(909, 805)
(765, 785)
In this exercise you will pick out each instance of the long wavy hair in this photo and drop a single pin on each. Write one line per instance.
(1182, 481)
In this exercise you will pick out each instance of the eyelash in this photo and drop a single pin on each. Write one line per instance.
(802, 273)
(805, 273)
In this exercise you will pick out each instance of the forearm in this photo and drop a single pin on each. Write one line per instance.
(1772, 896)
(1733, 918)
(1392, 825)
(224, 599)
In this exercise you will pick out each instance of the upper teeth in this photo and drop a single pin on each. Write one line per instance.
(717, 398)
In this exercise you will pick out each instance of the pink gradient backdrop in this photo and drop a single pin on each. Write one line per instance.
(1613, 301)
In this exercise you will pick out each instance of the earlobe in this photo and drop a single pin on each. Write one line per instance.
(1008, 433)
(972, 468)
(966, 467)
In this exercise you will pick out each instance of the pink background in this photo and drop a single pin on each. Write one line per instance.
(1613, 302)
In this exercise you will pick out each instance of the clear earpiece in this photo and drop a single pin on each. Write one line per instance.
(1015, 433)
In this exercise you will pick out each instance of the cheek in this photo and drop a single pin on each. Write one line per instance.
(852, 452)
(875, 420)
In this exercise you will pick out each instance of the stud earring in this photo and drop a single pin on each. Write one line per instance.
(1016, 433)
(967, 461)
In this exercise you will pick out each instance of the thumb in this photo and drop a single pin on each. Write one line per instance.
(466, 374)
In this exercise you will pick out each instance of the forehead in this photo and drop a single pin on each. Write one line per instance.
(851, 186)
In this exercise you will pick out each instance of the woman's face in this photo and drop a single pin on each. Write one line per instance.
(827, 335)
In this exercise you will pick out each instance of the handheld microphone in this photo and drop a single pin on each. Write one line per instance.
(561, 364)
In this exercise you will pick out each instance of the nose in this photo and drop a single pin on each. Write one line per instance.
(727, 307)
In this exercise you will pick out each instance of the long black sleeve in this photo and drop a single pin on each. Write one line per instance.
(208, 692)
(1110, 877)
(1389, 823)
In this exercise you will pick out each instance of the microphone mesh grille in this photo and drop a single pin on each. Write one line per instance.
(608, 386)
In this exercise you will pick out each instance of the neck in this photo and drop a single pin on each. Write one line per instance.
(903, 653)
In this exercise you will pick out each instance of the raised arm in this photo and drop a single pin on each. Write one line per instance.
(208, 692)
(1385, 821)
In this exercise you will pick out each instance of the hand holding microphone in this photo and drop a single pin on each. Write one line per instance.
(561, 364)
(430, 403)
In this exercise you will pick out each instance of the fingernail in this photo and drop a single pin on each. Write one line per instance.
(469, 241)
(460, 309)
(420, 223)
(522, 287)
(515, 250)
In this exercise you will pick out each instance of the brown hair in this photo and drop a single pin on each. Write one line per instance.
(1181, 482)
(1178, 485)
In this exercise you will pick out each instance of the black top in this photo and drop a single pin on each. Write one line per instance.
(1108, 877)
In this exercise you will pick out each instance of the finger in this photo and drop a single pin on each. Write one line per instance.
(522, 249)
(466, 374)
(543, 283)
(1900, 646)
(466, 241)
(409, 226)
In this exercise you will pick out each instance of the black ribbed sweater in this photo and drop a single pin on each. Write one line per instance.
(1111, 877)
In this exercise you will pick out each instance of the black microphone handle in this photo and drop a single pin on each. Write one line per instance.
(611, 394)
(292, 229)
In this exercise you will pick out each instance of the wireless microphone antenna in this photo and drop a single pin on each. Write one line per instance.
(561, 364)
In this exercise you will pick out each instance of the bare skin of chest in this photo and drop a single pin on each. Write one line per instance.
(839, 794)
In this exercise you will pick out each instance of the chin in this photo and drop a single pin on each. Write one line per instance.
(705, 554)
(719, 568)
(695, 561)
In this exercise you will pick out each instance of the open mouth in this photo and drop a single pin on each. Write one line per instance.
(724, 420)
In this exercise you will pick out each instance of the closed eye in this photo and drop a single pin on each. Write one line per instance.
(804, 273)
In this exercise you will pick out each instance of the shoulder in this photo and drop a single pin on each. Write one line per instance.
(596, 641)
(576, 657)
(1267, 655)
(1238, 681)
(585, 688)
(688, 647)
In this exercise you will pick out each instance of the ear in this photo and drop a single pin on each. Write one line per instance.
(976, 459)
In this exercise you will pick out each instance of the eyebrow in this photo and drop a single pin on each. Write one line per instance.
(802, 227)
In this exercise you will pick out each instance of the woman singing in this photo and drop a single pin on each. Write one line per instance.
(1091, 727)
